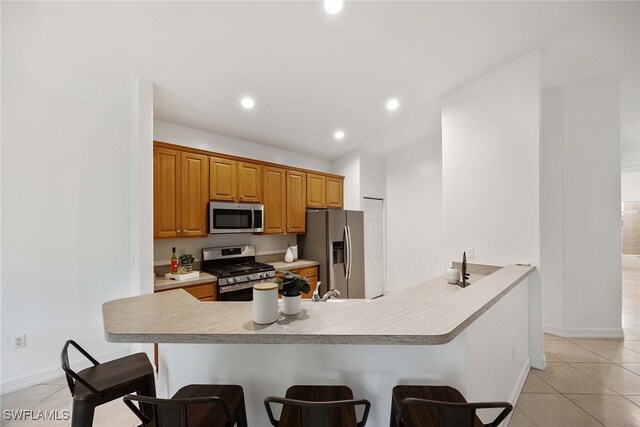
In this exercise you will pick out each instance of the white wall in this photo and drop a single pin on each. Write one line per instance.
(195, 138)
(349, 167)
(66, 174)
(580, 201)
(373, 182)
(414, 215)
(631, 186)
(552, 207)
(490, 164)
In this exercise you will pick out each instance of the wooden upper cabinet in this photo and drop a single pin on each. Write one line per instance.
(315, 191)
(274, 182)
(249, 182)
(195, 194)
(223, 179)
(166, 193)
(296, 201)
(334, 192)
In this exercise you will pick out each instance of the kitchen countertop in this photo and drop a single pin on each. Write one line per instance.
(162, 284)
(301, 263)
(432, 312)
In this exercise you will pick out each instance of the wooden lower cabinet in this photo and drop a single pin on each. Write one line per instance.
(202, 291)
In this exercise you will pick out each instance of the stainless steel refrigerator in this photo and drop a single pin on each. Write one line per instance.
(335, 238)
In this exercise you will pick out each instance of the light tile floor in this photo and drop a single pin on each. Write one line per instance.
(588, 382)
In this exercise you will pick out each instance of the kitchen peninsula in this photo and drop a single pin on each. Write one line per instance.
(431, 333)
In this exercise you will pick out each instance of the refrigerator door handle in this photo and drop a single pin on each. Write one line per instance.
(350, 251)
(347, 259)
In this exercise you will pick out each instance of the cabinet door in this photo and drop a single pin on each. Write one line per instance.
(249, 182)
(223, 179)
(334, 192)
(195, 194)
(166, 193)
(315, 191)
(296, 200)
(275, 200)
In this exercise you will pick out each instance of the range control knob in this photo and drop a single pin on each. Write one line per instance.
(250, 277)
(236, 279)
(264, 275)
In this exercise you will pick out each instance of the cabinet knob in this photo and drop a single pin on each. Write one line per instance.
(178, 231)
(184, 231)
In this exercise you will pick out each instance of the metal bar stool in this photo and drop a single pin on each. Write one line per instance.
(104, 382)
(318, 406)
(438, 406)
(194, 405)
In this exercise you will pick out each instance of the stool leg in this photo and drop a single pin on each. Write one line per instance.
(82, 415)
(148, 388)
(392, 423)
(241, 417)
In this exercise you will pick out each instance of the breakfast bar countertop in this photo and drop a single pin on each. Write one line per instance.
(432, 312)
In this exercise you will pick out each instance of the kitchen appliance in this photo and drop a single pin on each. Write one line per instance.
(227, 218)
(335, 238)
(237, 271)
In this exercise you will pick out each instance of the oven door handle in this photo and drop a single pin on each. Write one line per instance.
(240, 286)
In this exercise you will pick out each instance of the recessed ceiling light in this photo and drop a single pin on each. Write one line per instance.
(393, 104)
(247, 103)
(339, 134)
(333, 6)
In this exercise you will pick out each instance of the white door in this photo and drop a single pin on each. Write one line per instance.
(373, 248)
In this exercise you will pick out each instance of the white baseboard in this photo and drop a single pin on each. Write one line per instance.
(584, 332)
(517, 389)
(540, 364)
(49, 374)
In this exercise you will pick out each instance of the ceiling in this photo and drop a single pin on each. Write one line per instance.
(312, 73)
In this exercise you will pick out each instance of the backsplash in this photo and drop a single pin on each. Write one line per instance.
(265, 245)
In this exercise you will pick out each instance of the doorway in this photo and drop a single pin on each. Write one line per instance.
(373, 247)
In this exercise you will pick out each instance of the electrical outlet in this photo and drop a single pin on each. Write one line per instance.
(182, 251)
(19, 341)
(470, 252)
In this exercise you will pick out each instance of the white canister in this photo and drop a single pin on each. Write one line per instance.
(265, 303)
(294, 252)
(453, 276)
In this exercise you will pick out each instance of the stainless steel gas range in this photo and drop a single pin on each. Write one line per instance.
(236, 270)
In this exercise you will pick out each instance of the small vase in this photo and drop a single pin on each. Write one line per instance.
(453, 276)
(288, 257)
(291, 305)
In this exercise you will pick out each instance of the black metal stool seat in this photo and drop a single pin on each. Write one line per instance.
(438, 406)
(318, 406)
(104, 382)
(195, 405)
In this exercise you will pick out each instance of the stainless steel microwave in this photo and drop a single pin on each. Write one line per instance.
(226, 218)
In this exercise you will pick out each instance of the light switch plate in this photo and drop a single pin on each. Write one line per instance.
(470, 252)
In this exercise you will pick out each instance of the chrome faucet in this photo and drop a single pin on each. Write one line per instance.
(331, 294)
(316, 296)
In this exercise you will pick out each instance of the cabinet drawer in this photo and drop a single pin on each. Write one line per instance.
(308, 271)
(206, 290)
